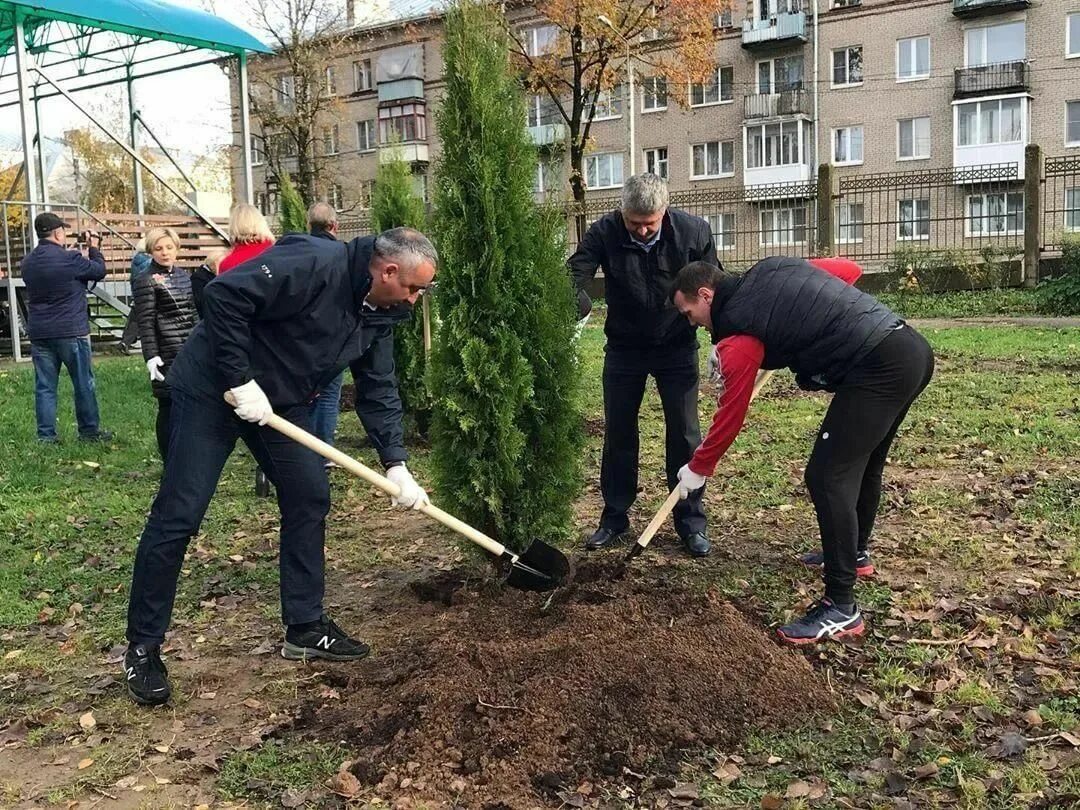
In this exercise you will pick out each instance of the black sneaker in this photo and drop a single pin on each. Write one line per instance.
(100, 436)
(864, 566)
(823, 621)
(324, 640)
(147, 678)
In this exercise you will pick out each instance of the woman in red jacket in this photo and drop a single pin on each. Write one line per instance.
(249, 235)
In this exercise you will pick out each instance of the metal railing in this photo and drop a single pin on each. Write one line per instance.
(973, 6)
(982, 80)
(786, 21)
(772, 105)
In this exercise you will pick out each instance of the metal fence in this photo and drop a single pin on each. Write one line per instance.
(1060, 201)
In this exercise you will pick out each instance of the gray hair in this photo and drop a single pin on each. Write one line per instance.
(644, 193)
(409, 247)
(321, 217)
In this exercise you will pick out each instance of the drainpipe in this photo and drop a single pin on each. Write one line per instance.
(817, 116)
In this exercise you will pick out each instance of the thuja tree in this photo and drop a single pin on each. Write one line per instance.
(292, 214)
(506, 429)
(394, 203)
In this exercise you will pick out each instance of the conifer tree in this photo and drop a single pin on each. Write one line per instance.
(506, 429)
(292, 213)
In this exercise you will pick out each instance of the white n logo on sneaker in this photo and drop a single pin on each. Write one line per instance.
(130, 672)
(325, 642)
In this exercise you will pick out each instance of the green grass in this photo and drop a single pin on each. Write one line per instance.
(267, 771)
(963, 303)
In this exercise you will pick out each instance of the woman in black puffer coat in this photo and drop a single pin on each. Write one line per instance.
(166, 316)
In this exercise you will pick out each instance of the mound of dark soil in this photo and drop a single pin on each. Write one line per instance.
(509, 699)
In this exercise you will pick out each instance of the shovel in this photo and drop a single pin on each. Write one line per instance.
(540, 567)
(672, 499)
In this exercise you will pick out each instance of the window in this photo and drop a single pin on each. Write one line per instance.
(849, 223)
(1072, 35)
(330, 81)
(773, 145)
(846, 3)
(542, 111)
(330, 140)
(655, 97)
(1072, 209)
(541, 40)
(1072, 123)
(715, 89)
(656, 161)
(608, 104)
(403, 122)
(361, 72)
(783, 226)
(995, 213)
(365, 135)
(847, 66)
(286, 90)
(723, 230)
(993, 44)
(984, 122)
(258, 150)
(914, 218)
(281, 145)
(262, 202)
(547, 176)
(724, 19)
(712, 159)
(334, 197)
(604, 170)
(363, 190)
(780, 75)
(912, 138)
(847, 146)
(912, 59)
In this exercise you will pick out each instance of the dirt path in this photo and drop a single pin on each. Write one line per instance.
(996, 320)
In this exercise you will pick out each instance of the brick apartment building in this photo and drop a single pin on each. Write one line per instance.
(872, 87)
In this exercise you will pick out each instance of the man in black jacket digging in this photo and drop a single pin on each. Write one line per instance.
(641, 248)
(277, 329)
(839, 339)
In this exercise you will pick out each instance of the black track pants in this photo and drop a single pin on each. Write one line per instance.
(843, 475)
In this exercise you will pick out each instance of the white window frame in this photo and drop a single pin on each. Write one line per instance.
(791, 226)
(608, 100)
(771, 62)
(914, 141)
(594, 158)
(914, 43)
(847, 67)
(532, 39)
(801, 143)
(836, 135)
(722, 228)
(536, 104)
(653, 154)
(645, 94)
(719, 160)
(858, 224)
(969, 220)
(1073, 143)
(1072, 209)
(363, 68)
(330, 81)
(978, 104)
(1072, 43)
(336, 196)
(286, 100)
(719, 89)
(257, 150)
(331, 135)
(984, 29)
(372, 129)
(915, 237)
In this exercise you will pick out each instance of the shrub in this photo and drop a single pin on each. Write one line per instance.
(1061, 295)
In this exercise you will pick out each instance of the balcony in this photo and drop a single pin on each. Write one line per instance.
(409, 152)
(776, 105)
(548, 134)
(785, 24)
(977, 8)
(401, 89)
(986, 80)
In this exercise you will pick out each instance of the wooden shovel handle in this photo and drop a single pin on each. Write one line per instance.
(301, 436)
(673, 499)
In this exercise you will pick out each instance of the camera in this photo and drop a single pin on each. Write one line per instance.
(84, 238)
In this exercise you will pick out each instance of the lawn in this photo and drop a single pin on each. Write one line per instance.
(964, 693)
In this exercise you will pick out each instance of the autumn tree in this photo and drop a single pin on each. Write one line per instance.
(572, 55)
(103, 176)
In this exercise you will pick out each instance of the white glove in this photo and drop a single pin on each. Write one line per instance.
(712, 366)
(251, 403)
(689, 481)
(154, 365)
(411, 495)
(580, 326)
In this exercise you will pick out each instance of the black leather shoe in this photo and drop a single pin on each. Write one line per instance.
(600, 538)
(697, 544)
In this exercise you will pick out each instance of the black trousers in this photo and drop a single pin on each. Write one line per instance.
(202, 436)
(843, 475)
(161, 426)
(625, 374)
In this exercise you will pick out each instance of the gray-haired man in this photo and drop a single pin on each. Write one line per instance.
(641, 248)
(277, 329)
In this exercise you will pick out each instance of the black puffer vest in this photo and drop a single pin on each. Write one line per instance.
(165, 312)
(810, 321)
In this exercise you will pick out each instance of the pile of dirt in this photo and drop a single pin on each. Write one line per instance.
(512, 700)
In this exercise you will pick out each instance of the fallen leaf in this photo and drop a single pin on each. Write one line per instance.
(87, 721)
(344, 784)
(727, 773)
(162, 749)
(927, 770)
(127, 782)
(771, 802)
(163, 780)
(1033, 718)
(208, 695)
(16, 732)
(85, 763)
(1009, 745)
(684, 791)
(252, 703)
(797, 790)
(895, 783)
(1071, 739)
(294, 798)
(12, 654)
(93, 465)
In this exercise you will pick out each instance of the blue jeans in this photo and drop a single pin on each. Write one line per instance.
(202, 435)
(49, 355)
(324, 410)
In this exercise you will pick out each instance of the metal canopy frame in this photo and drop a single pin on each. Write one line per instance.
(52, 48)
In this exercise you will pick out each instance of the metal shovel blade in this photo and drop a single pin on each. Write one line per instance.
(540, 567)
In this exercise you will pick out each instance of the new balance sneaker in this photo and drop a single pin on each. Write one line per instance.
(864, 566)
(321, 639)
(147, 678)
(823, 621)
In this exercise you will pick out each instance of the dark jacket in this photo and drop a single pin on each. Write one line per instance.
(637, 284)
(200, 277)
(292, 319)
(165, 311)
(56, 283)
(809, 320)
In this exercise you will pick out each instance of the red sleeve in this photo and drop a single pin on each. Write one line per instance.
(738, 360)
(844, 269)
